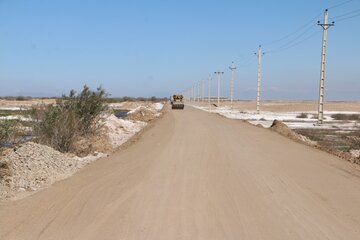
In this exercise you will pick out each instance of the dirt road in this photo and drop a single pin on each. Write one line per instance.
(194, 175)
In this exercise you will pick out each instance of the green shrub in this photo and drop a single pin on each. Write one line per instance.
(73, 116)
(20, 98)
(8, 132)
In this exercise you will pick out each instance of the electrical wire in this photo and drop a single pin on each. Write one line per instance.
(247, 63)
(244, 62)
(292, 41)
(293, 33)
(340, 4)
(345, 18)
(297, 43)
(345, 14)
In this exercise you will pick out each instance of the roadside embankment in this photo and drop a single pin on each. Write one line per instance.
(338, 135)
(30, 166)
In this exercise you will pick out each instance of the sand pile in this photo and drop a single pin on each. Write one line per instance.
(144, 114)
(284, 130)
(99, 142)
(31, 166)
(113, 132)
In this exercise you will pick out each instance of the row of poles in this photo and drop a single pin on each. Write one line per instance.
(193, 93)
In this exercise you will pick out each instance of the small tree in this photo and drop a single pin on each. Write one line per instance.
(73, 116)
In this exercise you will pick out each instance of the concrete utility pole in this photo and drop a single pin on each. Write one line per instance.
(218, 78)
(325, 27)
(209, 97)
(259, 55)
(193, 93)
(203, 85)
(232, 68)
(199, 83)
(196, 92)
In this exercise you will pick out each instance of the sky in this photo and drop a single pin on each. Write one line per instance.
(157, 48)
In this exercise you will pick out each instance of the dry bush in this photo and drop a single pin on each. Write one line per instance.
(302, 115)
(72, 117)
(8, 132)
(4, 170)
(339, 116)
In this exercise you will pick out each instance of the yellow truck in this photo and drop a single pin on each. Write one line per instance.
(177, 101)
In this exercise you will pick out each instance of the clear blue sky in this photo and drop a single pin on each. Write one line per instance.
(146, 48)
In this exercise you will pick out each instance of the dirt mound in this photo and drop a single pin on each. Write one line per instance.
(284, 130)
(30, 166)
(120, 130)
(99, 142)
(143, 114)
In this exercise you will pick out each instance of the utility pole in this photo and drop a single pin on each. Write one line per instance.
(209, 97)
(199, 83)
(232, 68)
(193, 93)
(325, 27)
(203, 85)
(218, 78)
(259, 55)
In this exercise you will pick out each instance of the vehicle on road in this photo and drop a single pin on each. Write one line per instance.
(177, 101)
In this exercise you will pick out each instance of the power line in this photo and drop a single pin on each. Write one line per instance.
(345, 14)
(292, 41)
(297, 43)
(246, 62)
(308, 23)
(340, 4)
(293, 33)
(342, 19)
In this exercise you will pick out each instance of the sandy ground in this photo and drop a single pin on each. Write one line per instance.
(24, 104)
(195, 175)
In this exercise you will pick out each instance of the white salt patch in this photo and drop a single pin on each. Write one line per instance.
(16, 117)
(121, 130)
(11, 108)
(157, 106)
(266, 118)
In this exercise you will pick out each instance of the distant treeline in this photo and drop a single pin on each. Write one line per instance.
(135, 99)
(108, 99)
(24, 98)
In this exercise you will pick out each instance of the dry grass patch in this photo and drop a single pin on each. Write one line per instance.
(302, 115)
(348, 117)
